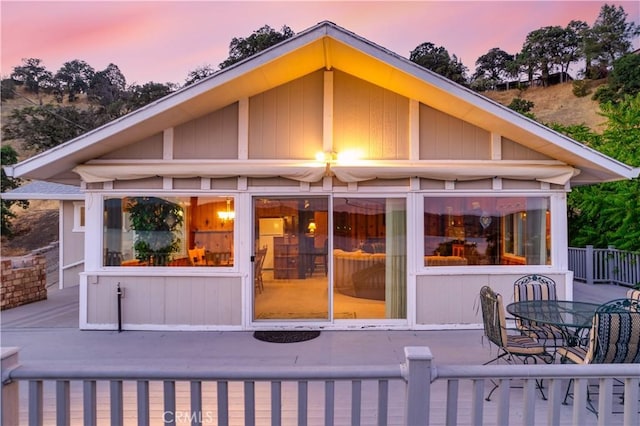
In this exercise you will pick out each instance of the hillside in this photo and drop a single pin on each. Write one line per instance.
(555, 104)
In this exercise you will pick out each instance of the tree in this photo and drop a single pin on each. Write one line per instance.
(46, 126)
(265, 37)
(609, 213)
(32, 74)
(7, 89)
(611, 34)
(624, 80)
(8, 156)
(75, 77)
(493, 65)
(198, 74)
(571, 45)
(140, 96)
(437, 59)
(107, 86)
(542, 50)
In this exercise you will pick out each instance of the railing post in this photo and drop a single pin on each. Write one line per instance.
(418, 377)
(10, 402)
(588, 265)
(611, 270)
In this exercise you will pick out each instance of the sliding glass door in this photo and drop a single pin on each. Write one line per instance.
(291, 280)
(296, 243)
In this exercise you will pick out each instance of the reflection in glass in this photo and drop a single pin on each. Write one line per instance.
(486, 231)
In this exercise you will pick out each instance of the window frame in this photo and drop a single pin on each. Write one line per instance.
(171, 196)
(79, 216)
(549, 196)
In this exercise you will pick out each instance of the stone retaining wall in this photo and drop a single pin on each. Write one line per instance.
(24, 280)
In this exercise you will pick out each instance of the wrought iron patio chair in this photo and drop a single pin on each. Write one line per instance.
(510, 346)
(537, 287)
(614, 338)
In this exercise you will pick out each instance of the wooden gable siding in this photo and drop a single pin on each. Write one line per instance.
(286, 121)
(444, 137)
(146, 149)
(369, 119)
(212, 136)
(514, 151)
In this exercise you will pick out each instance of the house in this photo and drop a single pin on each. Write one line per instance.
(325, 182)
(70, 224)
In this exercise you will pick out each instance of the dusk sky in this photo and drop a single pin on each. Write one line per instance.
(162, 41)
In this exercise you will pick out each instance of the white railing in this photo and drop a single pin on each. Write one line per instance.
(415, 392)
(605, 266)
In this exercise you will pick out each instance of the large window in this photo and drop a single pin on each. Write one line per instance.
(168, 231)
(486, 231)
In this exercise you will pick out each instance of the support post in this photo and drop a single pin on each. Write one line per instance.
(418, 377)
(10, 392)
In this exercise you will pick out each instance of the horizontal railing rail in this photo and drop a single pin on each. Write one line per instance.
(605, 266)
(410, 393)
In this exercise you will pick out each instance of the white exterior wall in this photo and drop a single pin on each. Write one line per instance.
(186, 299)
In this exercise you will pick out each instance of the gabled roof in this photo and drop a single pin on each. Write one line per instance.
(324, 46)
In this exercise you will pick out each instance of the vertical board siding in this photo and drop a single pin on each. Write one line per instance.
(453, 299)
(147, 149)
(514, 151)
(162, 300)
(369, 119)
(444, 137)
(286, 121)
(212, 136)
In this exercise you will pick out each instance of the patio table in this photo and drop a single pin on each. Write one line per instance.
(572, 318)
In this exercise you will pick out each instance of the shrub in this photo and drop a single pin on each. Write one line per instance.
(580, 88)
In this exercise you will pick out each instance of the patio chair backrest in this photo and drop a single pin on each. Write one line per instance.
(493, 317)
(620, 305)
(614, 338)
(533, 287)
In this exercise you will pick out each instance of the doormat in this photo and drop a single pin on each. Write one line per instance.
(286, 336)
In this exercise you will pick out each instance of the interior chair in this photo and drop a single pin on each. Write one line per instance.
(320, 257)
(511, 347)
(614, 338)
(197, 256)
(537, 287)
(112, 258)
(258, 263)
(457, 250)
